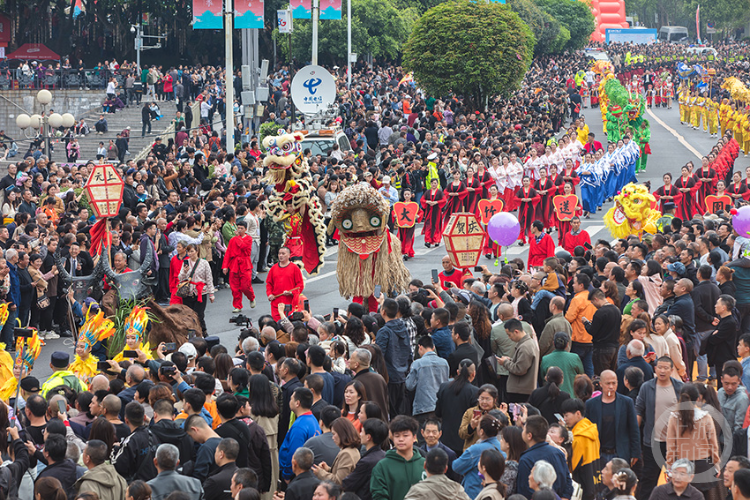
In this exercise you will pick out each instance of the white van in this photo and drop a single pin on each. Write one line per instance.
(671, 34)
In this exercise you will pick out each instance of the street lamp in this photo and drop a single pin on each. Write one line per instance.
(44, 121)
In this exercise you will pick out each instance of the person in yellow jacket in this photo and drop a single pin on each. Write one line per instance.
(730, 120)
(746, 133)
(582, 129)
(584, 459)
(696, 110)
(60, 363)
(712, 116)
(724, 109)
(706, 111)
(738, 119)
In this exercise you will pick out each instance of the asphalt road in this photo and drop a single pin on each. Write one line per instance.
(672, 146)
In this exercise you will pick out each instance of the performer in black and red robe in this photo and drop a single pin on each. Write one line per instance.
(686, 185)
(668, 193)
(455, 194)
(564, 226)
(738, 189)
(706, 179)
(556, 179)
(569, 174)
(526, 199)
(491, 249)
(432, 203)
(485, 179)
(406, 234)
(475, 191)
(547, 191)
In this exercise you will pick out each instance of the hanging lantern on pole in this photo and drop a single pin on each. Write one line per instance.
(105, 188)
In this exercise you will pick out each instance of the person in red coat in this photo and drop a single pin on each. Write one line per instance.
(174, 271)
(239, 266)
(406, 233)
(541, 245)
(547, 191)
(284, 283)
(668, 193)
(475, 192)
(450, 276)
(577, 237)
(432, 203)
(455, 194)
(738, 189)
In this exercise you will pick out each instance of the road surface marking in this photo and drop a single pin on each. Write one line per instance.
(676, 134)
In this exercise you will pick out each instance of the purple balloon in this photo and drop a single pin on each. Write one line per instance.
(741, 221)
(504, 229)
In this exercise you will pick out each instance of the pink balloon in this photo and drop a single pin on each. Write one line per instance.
(741, 221)
(504, 228)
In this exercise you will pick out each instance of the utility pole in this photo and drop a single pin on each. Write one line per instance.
(315, 18)
(229, 76)
(349, 44)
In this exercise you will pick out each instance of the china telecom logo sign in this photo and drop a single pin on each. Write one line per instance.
(312, 84)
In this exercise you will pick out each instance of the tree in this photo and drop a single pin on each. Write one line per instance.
(725, 14)
(379, 29)
(546, 28)
(576, 17)
(475, 49)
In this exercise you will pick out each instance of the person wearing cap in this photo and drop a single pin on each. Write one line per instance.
(60, 361)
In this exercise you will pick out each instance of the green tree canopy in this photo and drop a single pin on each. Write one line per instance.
(546, 28)
(576, 17)
(379, 29)
(476, 49)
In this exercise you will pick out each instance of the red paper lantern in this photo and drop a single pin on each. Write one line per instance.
(463, 239)
(105, 187)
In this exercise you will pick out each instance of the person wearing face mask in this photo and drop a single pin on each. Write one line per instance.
(614, 416)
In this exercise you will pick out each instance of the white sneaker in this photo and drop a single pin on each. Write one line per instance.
(252, 305)
(51, 335)
(235, 310)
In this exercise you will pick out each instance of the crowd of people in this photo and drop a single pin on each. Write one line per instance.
(610, 369)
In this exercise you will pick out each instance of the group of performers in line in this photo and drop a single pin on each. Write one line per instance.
(529, 188)
(715, 116)
(715, 177)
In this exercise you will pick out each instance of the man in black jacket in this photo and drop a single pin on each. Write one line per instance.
(604, 329)
(134, 457)
(167, 431)
(684, 308)
(145, 119)
(288, 373)
(19, 457)
(253, 445)
(61, 468)
(304, 483)
(704, 295)
(375, 432)
(218, 485)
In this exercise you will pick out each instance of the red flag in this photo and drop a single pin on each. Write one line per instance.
(698, 22)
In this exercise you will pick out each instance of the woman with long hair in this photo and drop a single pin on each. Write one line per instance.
(691, 434)
(480, 320)
(487, 400)
(492, 467)
(548, 399)
(513, 445)
(49, 488)
(663, 329)
(633, 292)
(197, 273)
(354, 395)
(346, 438)
(354, 334)
(368, 410)
(651, 280)
(637, 330)
(223, 365)
(453, 399)
(238, 381)
(488, 427)
(265, 412)
(175, 267)
(610, 292)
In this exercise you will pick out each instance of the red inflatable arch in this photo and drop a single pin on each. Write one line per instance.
(608, 14)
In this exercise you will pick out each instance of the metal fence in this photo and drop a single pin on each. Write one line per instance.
(83, 79)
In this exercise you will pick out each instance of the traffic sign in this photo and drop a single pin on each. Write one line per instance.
(313, 89)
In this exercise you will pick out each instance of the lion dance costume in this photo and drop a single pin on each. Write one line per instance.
(371, 256)
(95, 329)
(292, 203)
(632, 213)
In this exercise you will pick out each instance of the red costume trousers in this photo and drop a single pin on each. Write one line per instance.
(406, 235)
(241, 285)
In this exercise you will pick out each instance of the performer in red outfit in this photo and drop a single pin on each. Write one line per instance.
(475, 191)
(564, 226)
(576, 237)
(174, 271)
(541, 245)
(738, 189)
(238, 264)
(455, 193)
(556, 179)
(706, 178)
(686, 185)
(485, 179)
(527, 199)
(284, 282)
(433, 202)
(668, 193)
(406, 227)
(489, 248)
(546, 191)
(451, 276)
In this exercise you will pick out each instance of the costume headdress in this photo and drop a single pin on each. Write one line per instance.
(33, 348)
(96, 329)
(136, 322)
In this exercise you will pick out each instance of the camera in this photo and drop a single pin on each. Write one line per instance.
(240, 320)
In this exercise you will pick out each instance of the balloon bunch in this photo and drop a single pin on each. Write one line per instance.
(503, 229)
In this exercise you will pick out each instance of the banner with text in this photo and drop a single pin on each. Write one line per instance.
(207, 14)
